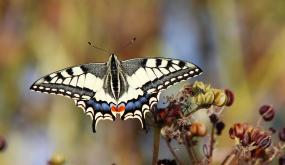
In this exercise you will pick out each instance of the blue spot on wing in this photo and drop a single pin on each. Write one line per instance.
(137, 103)
(130, 106)
(98, 105)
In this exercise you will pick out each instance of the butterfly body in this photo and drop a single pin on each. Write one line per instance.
(126, 88)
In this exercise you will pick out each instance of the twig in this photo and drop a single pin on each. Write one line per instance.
(228, 159)
(156, 141)
(173, 153)
(190, 151)
(212, 142)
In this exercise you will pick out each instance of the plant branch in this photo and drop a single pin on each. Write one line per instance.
(229, 158)
(190, 150)
(156, 141)
(212, 142)
(179, 162)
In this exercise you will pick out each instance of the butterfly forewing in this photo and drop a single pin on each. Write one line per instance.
(84, 84)
(156, 74)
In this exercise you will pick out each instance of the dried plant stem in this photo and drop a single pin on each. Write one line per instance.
(191, 151)
(259, 121)
(179, 162)
(156, 141)
(212, 142)
(229, 158)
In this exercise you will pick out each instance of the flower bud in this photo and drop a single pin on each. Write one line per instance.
(220, 98)
(199, 85)
(267, 112)
(56, 160)
(198, 129)
(209, 97)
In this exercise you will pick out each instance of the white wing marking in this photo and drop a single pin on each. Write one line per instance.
(90, 81)
(53, 80)
(74, 81)
(151, 63)
(77, 71)
(80, 82)
(164, 71)
(176, 67)
(67, 81)
(157, 73)
(163, 63)
(59, 81)
(171, 69)
(64, 74)
(150, 74)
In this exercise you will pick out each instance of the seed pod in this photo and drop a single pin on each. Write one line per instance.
(3, 143)
(238, 130)
(232, 133)
(272, 130)
(282, 160)
(282, 135)
(220, 126)
(267, 112)
(166, 162)
(264, 142)
(245, 141)
(254, 134)
(220, 98)
(230, 97)
(258, 153)
(198, 129)
(214, 118)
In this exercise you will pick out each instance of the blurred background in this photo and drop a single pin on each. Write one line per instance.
(238, 44)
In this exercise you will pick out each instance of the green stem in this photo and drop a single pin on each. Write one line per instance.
(156, 141)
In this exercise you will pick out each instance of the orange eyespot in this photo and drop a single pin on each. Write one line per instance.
(114, 108)
(121, 108)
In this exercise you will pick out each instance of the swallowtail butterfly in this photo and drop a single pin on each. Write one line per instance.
(129, 88)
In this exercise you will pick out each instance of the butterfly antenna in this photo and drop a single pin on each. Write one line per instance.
(126, 45)
(101, 49)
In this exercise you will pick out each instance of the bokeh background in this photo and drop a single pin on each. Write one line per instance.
(240, 45)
